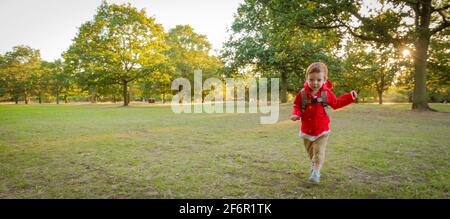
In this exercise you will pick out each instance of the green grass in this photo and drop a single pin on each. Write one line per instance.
(108, 151)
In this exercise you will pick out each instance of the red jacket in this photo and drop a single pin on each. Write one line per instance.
(314, 119)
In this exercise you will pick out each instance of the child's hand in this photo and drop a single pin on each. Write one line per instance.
(354, 94)
(294, 117)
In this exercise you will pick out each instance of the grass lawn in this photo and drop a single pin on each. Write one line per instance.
(108, 151)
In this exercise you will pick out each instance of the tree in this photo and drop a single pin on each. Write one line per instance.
(391, 22)
(258, 39)
(18, 66)
(156, 85)
(60, 80)
(382, 70)
(119, 46)
(371, 66)
(3, 80)
(438, 78)
(40, 80)
(189, 51)
(354, 72)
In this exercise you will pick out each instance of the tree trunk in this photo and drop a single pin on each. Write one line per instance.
(125, 93)
(283, 87)
(93, 95)
(57, 96)
(420, 102)
(180, 88)
(65, 98)
(40, 98)
(26, 96)
(380, 97)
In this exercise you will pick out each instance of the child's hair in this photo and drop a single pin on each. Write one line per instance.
(316, 67)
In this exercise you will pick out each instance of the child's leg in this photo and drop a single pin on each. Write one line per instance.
(318, 157)
(309, 148)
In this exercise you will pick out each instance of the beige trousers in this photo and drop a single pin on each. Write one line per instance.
(316, 151)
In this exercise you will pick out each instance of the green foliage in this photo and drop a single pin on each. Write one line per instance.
(438, 82)
(120, 45)
(41, 80)
(61, 80)
(370, 67)
(261, 40)
(157, 86)
(189, 51)
(17, 69)
(386, 23)
(122, 52)
(438, 77)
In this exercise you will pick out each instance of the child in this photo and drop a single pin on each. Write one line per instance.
(311, 105)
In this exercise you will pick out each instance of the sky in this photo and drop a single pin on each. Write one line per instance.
(50, 25)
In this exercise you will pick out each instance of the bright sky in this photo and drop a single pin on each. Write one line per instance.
(50, 25)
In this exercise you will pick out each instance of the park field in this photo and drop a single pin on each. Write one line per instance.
(143, 151)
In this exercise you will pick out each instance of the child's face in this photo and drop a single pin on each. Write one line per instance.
(316, 79)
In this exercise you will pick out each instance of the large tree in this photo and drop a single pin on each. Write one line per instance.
(438, 77)
(260, 40)
(120, 45)
(370, 67)
(190, 51)
(389, 22)
(17, 68)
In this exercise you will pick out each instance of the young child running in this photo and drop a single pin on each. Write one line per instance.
(312, 105)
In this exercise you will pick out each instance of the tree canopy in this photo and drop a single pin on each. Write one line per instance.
(388, 22)
(120, 45)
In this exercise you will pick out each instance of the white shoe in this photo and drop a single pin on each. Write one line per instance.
(315, 177)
